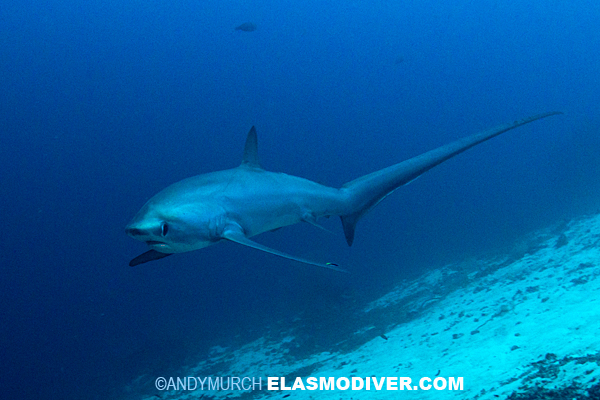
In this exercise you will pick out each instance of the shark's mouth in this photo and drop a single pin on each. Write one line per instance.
(159, 246)
(154, 243)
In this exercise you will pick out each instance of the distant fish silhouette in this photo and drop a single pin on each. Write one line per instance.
(246, 27)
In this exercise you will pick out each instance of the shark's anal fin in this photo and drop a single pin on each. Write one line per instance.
(235, 234)
(148, 256)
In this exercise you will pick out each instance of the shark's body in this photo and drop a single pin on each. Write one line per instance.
(242, 202)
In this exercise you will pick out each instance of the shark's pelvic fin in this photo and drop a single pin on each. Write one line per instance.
(309, 218)
(150, 255)
(235, 234)
(251, 150)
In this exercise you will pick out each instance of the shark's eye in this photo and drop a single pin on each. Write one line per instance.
(164, 229)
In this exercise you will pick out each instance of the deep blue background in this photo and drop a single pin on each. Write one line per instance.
(104, 103)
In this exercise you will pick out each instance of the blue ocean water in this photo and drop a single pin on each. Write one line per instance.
(103, 104)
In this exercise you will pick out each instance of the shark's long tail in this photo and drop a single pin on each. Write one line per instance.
(366, 192)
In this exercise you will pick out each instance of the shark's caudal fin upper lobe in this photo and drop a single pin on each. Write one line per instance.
(365, 192)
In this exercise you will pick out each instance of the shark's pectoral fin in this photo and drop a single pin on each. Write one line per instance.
(236, 235)
(150, 255)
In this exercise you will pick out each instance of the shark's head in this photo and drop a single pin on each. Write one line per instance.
(175, 227)
(158, 233)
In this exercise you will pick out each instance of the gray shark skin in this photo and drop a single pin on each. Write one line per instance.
(239, 203)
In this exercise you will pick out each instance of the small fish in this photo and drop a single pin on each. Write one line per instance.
(246, 27)
(383, 336)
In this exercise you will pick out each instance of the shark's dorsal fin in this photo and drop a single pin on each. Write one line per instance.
(251, 150)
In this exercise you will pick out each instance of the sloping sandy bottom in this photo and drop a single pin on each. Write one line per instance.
(522, 326)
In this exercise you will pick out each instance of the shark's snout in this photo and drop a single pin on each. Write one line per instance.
(143, 235)
(133, 231)
(149, 236)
